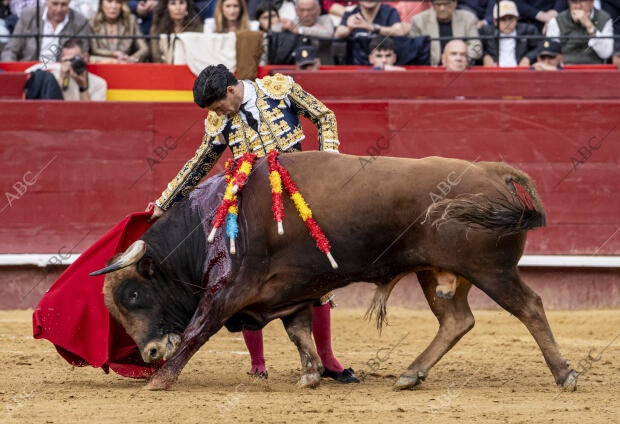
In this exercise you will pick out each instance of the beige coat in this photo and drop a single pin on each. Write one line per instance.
(103, 48)
(463, 25)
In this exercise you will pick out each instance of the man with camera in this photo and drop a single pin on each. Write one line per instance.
(72, 74)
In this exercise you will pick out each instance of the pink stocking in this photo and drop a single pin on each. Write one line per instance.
(254, 343)
(321, 330)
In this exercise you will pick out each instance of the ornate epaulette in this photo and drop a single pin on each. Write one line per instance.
(277, 86)
(214, 124)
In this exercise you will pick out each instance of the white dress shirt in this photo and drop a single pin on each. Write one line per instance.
(50, 44)
(507, 46)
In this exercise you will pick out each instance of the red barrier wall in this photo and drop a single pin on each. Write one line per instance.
(481, 83)
(72, 170)
(151, 82)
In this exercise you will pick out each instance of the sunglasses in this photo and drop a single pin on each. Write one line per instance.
(546, 56)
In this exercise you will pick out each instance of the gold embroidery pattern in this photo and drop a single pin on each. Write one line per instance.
(192, 172)
(327, 297)
(214, 125)
(277, 86)
(320, 115)
(271, 115)
(280, 127)
(240, 136)
(291, 138)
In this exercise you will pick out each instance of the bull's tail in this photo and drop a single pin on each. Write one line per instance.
(519, 209)
(378, 306)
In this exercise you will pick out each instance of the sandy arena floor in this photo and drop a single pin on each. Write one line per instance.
(495, 374)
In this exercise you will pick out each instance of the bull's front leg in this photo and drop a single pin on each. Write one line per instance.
(299, 329)
(205, 323)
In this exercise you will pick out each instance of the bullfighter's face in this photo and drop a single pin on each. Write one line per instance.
(229, 104)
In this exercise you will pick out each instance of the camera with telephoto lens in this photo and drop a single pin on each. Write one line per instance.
(78, 64)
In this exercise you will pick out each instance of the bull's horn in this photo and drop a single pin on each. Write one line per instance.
(132, 255)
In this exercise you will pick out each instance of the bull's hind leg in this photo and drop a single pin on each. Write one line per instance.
(299, 329)
(512, 294)
(455, 320)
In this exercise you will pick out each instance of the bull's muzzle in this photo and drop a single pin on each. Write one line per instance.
(163, 348)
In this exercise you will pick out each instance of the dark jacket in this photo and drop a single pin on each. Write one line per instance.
(524, 46)
(43, 85)
(25, 48)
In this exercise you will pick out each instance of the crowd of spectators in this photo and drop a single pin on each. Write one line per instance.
(497, 33)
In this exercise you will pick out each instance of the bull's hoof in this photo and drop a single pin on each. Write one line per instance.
(570, 382)
(406, 381)
(161, 380)
(310, 380)
(157, 384)
(444, 295)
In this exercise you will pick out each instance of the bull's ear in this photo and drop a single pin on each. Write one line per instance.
(145, 267)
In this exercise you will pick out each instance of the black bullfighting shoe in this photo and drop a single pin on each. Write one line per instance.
(345, 376)
(257, 374)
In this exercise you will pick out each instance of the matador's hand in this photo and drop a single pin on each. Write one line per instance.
(157, 211)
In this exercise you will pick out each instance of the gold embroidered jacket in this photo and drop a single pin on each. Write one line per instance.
(279, 129)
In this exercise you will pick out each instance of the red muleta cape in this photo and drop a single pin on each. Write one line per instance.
(74, 318)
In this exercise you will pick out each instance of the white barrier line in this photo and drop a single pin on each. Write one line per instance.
(559, 261)
(38, 259)
(570, 261)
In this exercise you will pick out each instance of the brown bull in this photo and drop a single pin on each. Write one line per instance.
(452, 222)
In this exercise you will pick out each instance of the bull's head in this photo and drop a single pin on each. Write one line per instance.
(135, 299)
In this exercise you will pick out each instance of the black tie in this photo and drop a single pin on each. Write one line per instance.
(250, 118)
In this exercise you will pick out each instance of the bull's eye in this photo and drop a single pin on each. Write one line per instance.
(133, 295)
